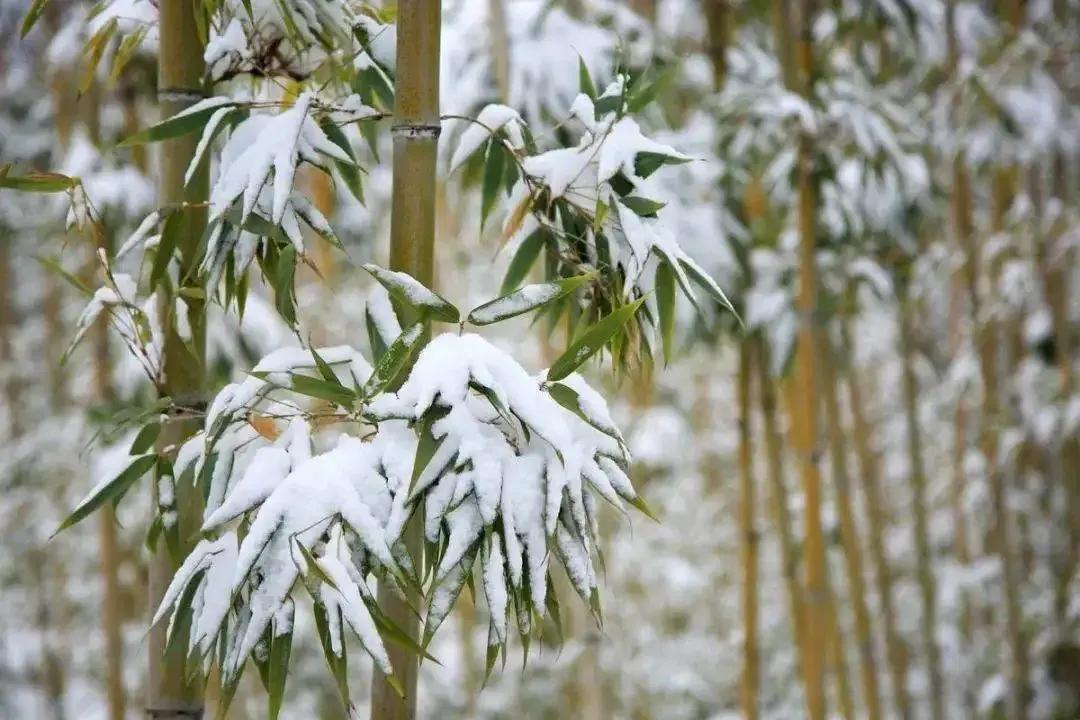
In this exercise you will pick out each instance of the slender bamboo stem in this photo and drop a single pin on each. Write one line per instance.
(849, 537)
(924, 559)
(412, 244)
(876, 511)
(805, 432)
(774, 462)
(169, 695)
(749, 535)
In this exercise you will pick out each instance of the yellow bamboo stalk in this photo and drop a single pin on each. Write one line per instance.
(804, 406)
(500, 48)
(924, 558)
(412, 244)
(169, 694)
(849, 538)
(1001, 530)
(876, 511)
(748, 536)
(778, 500)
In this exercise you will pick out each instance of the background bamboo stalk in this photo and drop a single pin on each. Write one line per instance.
(749, 535)
(877, 517)
(923, 551)
(412, 244)
(849, 536)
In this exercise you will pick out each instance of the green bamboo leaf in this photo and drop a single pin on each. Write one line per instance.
(281, 648)
(709, 285)
(665, 304)
(146, 438)
(409, 291)
(592, 340)
(183, 123)
(527, 299)
(324, 369)
(45, 182)
(394, 633)
(585, 81)
(493, 175)
(31, 17)
(375, 340)
(114, 488)
(349, 172)
(316, 388)
(339, 665)
(170, 232)
(523, 260)
(284, 276)
(646, 163)
(54, 266)
(644, 507)
(393, 360)
(313, 565)
(426, 447)
(568, 397)
(646, 89)
(645, 207)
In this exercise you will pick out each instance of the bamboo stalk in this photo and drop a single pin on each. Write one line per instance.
(169, 695)
(718, 19)
(500, 48)
(876, 512)
(412, 244)
(749, 536)
(774, 463)
(1001, 530)
(805, 432)
(924, 559)
(849, 537)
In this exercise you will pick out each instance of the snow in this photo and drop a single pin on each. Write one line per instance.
(345, 597)
(516, 303)
(491, 119)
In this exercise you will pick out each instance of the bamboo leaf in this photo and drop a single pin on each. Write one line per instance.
(46, 182)
(393, 360)
(165, 248)
(523, 260)
(526, 299)
(183, 123)
(115, 488)
(409, 291)
(592, 340)
(426, 447)
(665, 304)
(349, 172)
(585, 81)
(126, 51)
(278, 671)
(146, 438)
(493, 175)
(95, 48)
(31, 17)
(645, 207)
(54, 266)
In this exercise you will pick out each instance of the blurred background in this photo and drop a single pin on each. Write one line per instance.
(945, 135)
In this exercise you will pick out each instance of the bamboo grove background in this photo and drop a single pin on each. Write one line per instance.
(870, 496)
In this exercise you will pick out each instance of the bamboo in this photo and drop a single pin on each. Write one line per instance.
(1001, 530)
(169, 696)
(781, 514)
(805, 433)
(849, 537)
(718, 19)
(500, 48)
(749, 536)
(924, 559)
(876, 513)
(412, 243)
